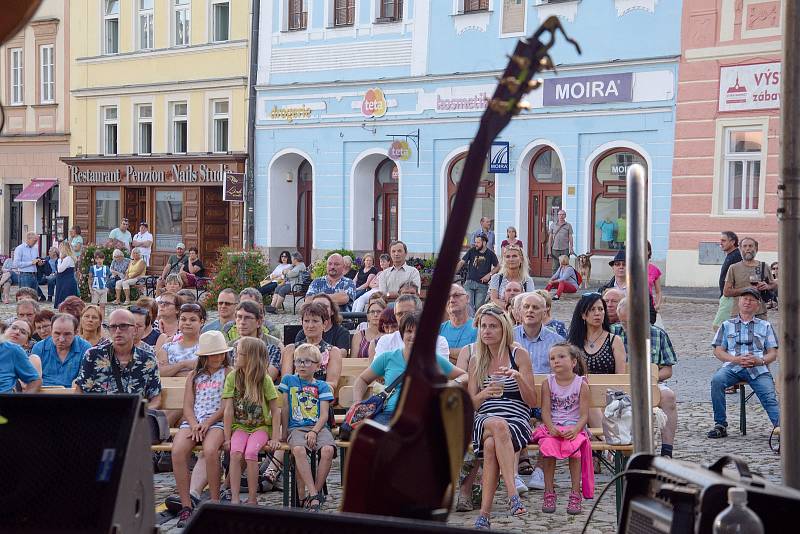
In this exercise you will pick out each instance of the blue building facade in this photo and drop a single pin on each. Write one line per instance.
(366, 109)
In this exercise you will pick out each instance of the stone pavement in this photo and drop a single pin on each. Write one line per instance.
(689, 325)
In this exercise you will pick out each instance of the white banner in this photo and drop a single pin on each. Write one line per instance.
(746, 87)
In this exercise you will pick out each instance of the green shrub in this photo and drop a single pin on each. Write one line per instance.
(237, 270)
(320, 267)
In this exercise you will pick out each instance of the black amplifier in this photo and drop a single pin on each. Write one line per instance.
(664, 496)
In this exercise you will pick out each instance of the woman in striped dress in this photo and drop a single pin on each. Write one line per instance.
(501, 386)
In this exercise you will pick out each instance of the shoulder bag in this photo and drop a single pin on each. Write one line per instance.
(367, 409)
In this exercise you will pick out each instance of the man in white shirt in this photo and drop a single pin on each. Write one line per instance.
(143, 240)
(398, 273)
(407, 304)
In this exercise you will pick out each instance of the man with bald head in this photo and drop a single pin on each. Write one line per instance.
(119, 366)
(663, 355)
(534, 337)
(612, 297)
(341, 289)
(458, 330)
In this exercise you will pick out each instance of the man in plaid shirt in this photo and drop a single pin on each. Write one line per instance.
(746, 345)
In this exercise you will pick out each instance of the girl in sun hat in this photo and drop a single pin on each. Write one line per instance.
(202, 405)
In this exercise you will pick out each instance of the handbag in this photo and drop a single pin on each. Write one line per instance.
(366, 409)
(618, 418)
(156, 419)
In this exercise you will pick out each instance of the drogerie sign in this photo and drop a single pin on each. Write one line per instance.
(598, 89)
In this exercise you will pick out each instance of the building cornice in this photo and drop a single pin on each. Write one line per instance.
(26, 139)
(96, 159)
(156, 52)
(172, 85)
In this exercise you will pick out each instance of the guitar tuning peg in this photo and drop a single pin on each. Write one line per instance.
(511, 83)
(521, 61)
(499, 106)
(535, 84)
(523, 105)
(546, 62)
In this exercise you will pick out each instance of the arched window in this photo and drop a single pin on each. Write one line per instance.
(610, 229)
(484, 199)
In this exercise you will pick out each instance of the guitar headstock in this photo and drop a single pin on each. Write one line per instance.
(530, 57)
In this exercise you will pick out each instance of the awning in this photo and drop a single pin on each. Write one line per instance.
(34, 190)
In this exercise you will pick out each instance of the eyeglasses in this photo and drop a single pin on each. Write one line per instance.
(374, 312)
(122, 327)
(166, 303)
(303, 363)
(18, 329)
(225, 303)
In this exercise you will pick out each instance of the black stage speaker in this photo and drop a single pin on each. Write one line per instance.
(75, 463)
(677, 497)
(243, 519)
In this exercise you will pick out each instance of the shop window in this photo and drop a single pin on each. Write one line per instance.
(219, 125)
(513, 21)
(220, 20)
(144, 128)
(608, 199)
(47, 89)
(742, 168)
(298, 15)
(179, 128)
(111, 27)
(390, 10)
(344, 12)
(169, 212)
(145, 36)
(17, 77)
(484, 199)
(182, 19)
(110, 126)
(106, 213)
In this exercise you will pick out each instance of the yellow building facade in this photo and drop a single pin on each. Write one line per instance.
(158, 100)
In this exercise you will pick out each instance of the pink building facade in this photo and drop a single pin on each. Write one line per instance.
(725, 171)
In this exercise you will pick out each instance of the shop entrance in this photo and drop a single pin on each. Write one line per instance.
(305, 216)
(49, 214)
(385, 216)
(15, 218)
(135, 209)
(544, 201)
(215, 225)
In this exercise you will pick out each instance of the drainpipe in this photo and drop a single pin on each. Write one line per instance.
(250, 182)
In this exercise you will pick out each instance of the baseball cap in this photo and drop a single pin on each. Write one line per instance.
(180, 245)
(753, 292)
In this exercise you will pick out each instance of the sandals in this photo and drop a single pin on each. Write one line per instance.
(525, 467)
(515, 506)
(482, 523)
(719, 431)
(319, 498)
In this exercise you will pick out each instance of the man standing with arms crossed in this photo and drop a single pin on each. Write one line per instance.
(729, 243)
(559, 242)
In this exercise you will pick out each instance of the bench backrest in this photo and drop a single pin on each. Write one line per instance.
(172, 389)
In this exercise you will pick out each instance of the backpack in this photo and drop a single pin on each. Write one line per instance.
(500, 283)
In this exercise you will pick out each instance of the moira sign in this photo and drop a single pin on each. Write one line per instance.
(598, 89)
(746, 87)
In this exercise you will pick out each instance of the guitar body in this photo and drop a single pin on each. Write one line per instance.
(405, 465)
(410, 467)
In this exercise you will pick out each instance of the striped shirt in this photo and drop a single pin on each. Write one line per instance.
(738, 338)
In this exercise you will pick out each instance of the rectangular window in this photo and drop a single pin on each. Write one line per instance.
(298, 15)
(471, 6)
(513, 16)
(391, 11)
(106, 213)
(219, 126)
(742, 168)
(344, 12)
(144, 129)
(179, 128)
(169, 213)
(111, 27)
(220, 17)
(110, 126)
(46, 79)
(182, 17)
(17, 77)
(145, 24)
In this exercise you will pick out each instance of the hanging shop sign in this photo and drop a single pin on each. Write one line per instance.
(374, 103)
(399, 151)
(499, 160)
(746, 87)
(233, 187)
(599, 89)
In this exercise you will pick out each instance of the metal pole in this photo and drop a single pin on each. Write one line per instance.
(639, 310)
(250, 172)
(789, 248)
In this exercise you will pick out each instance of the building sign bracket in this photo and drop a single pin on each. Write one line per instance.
(414, 137)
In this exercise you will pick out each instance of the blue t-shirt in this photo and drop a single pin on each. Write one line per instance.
(458, 336)
(14, 365)
(392, 364)
(305, 399)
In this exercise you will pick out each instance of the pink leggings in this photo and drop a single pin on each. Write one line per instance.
(562, 287)
(249, 444)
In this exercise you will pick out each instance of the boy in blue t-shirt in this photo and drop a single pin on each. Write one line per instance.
(306, 403)
(98, 281)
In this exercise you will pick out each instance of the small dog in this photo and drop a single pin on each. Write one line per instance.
(583, 264)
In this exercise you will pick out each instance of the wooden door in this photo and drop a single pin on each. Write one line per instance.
(305, 216)
(15, 218)
(135, 208)
(214, 230)
(544, 201)
(386, 206)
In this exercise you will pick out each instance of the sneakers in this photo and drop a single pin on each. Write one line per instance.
(173, 503)
(537, 479)
(225, 495)
(464, 505)
(183, 517)
(520, 485)
(549, 504)
(574, 504)
(482, 523)
(719, 431)
(516, 507)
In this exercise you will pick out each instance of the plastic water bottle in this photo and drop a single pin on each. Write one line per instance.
(737, 518)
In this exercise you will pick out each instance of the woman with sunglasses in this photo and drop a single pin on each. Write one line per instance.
(278, 275)
(514, 268)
